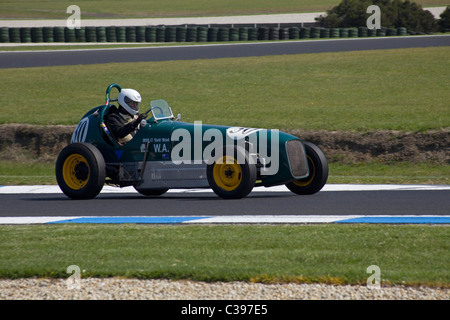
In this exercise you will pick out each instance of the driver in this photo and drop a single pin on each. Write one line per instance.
(125, 121)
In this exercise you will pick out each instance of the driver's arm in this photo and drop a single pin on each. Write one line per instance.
(118, 128)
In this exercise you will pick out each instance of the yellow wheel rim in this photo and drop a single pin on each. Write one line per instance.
(227, 173)
(312, 172)
(76, 171)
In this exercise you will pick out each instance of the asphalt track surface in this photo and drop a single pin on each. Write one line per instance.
(395, 203)
(24, 59)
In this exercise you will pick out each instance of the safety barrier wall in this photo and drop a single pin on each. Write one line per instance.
(185, 34)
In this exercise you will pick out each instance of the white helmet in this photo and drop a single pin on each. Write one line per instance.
(130, 100)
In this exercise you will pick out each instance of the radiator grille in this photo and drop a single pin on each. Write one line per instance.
(297, 158)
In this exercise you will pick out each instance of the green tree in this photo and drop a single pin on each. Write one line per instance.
(394, 14)
(444, 22)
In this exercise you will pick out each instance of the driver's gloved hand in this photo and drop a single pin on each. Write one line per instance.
(141, 117)
(138, 120)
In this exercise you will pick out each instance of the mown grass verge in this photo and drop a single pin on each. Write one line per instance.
(336, 254)
(349, 91)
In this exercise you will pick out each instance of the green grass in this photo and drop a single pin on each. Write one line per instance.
(27, 173)
(168, 8)
(327, 253)
(351, 91)
(37, 173)
(387, 173)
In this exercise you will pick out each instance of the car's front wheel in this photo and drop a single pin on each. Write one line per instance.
(318, 172)
(232, 176)
(80, 171)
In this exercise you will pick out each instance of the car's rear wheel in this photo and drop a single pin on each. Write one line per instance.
(80, 171)
(318, 172)
(232, 176)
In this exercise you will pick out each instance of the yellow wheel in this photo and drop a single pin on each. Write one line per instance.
(76, 171)
(80, 171)
(230, 179)
(227, 173)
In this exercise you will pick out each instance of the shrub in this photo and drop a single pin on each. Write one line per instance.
(444, 22)
(394, 14)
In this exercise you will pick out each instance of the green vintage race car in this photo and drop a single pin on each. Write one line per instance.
(167, 153)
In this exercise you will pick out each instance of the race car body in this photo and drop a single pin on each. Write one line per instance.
(167, 153)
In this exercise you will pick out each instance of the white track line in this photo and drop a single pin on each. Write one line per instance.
(245, 219)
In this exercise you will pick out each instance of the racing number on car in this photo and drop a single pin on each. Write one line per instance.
(240, 132)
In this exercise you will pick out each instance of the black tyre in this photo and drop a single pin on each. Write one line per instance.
(151, 192)
(230, 179)
(80, 171)
(318, 172)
